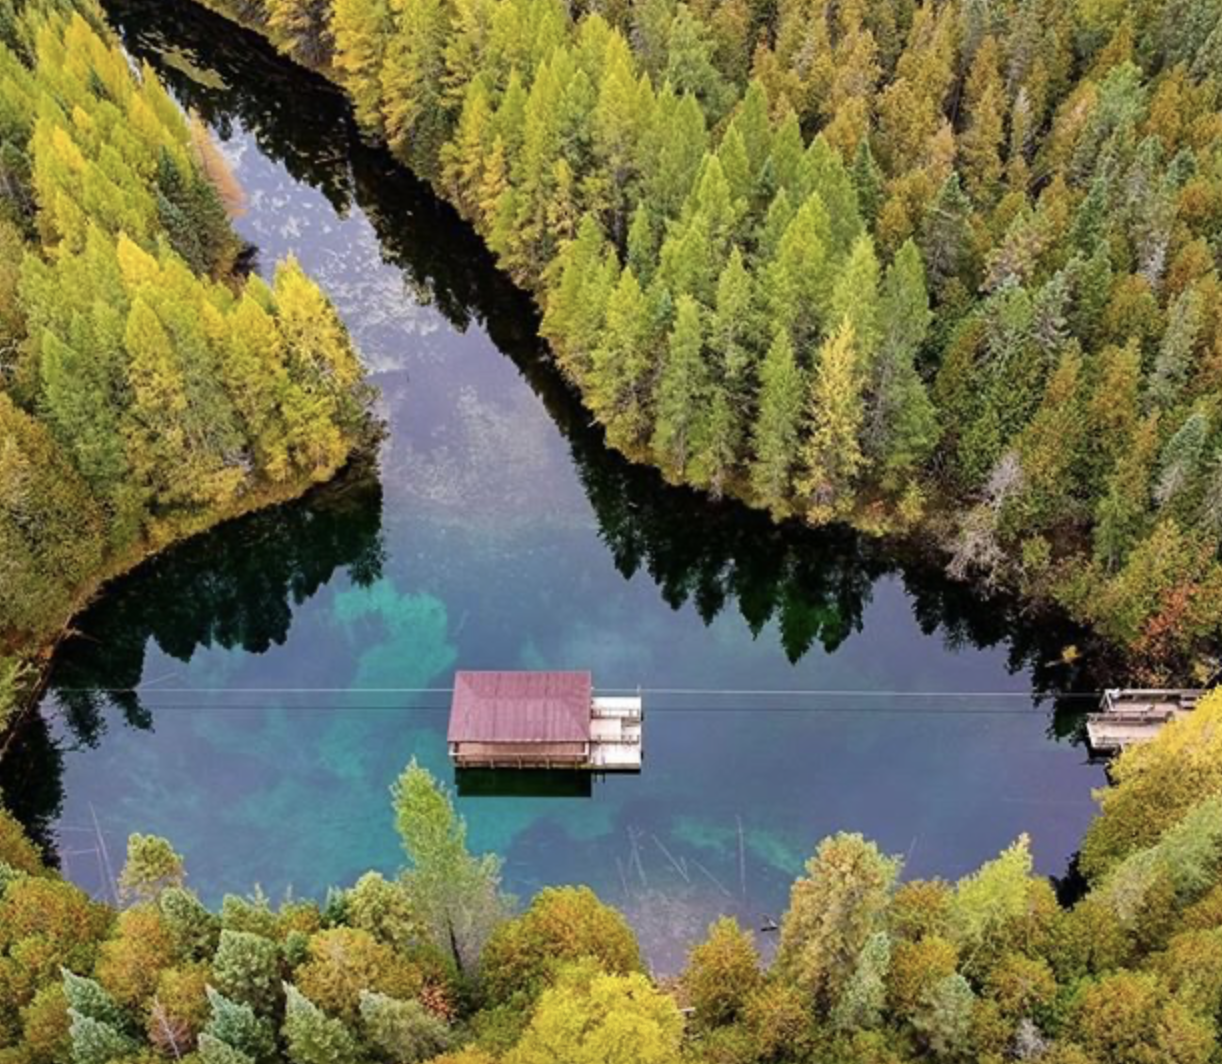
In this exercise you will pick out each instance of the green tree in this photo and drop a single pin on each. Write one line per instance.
(361, 29)
(592, 1018)
(682, 389)
(900, 427)
(943, 1018)
(456, 893)
(562, 925)
(622, 365)
(833, 911)
(151, 867)
(311, 1036)
(234, 1025)
(246, 968)
(778, 426)
(403, 1031)
(832, 456)
(722, 973)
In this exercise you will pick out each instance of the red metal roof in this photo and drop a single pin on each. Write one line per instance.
(520, 707)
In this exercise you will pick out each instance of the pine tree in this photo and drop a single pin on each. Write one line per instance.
(833, 912)
(671, 152)
(456, 893)
(946, 236)
(585, 274)
(1177, 352)
(831, 455)
(361, 29)
(622, 367)
(981, 144)
(855, 298)
(403, 1030)
(236, 1026)
(718, 438)
(413, 113)
(777, 427)
(95, 1042)
(1051, 449)
(861, 1003)
(301, 29)
(1181, 461)
(642, 244)
(826, 174)
(900, 428)
(689, 66)
(735, 329)
(211, 1050)
(465, 159)
(868, 181)
(311, 1036)
(798, 282)
(247, 970)
(682, 390)
(1123, 513)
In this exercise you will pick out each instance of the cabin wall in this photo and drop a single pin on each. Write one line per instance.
(534, 753)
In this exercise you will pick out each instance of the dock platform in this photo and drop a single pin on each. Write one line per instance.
(1128, 717)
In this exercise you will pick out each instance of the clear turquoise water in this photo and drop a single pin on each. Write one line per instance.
(496, 532)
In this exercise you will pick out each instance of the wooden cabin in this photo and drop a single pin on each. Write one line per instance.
(541, 720)
(1128, 717)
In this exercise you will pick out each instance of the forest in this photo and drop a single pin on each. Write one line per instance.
(437, 964)
(150, 384)
(945, 268)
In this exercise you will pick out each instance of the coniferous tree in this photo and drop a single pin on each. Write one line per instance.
(900, 428)
(682, 385)
(778, 426)
(831, 455)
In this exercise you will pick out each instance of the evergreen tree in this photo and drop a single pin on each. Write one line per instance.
(682, 385)
(1123, 512)
(1181, 461)
(833, 912)
(403, 1030)
(622, 367)
(361, 29)
(235, 1026)
(778, 426)
(797, 284)
(246, 968)
(311, 1036)
(831, 455)
(946, 239)
(413, 114)
(735, 328)
(900, 427)
(457, 894)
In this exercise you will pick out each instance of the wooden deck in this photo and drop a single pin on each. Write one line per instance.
(1128, 717)
(615, 735)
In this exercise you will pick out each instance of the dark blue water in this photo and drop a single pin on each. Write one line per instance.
(278, 659)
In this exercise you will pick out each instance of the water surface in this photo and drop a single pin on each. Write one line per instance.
(289, 665)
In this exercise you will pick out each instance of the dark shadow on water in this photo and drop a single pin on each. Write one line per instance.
(234, 587)
(523, 783)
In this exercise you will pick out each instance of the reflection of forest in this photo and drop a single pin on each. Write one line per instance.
(232, 587)
(236, 586)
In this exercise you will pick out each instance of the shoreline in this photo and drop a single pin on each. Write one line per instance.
(39, 653)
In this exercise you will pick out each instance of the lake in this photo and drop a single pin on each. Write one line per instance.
(253, 693)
